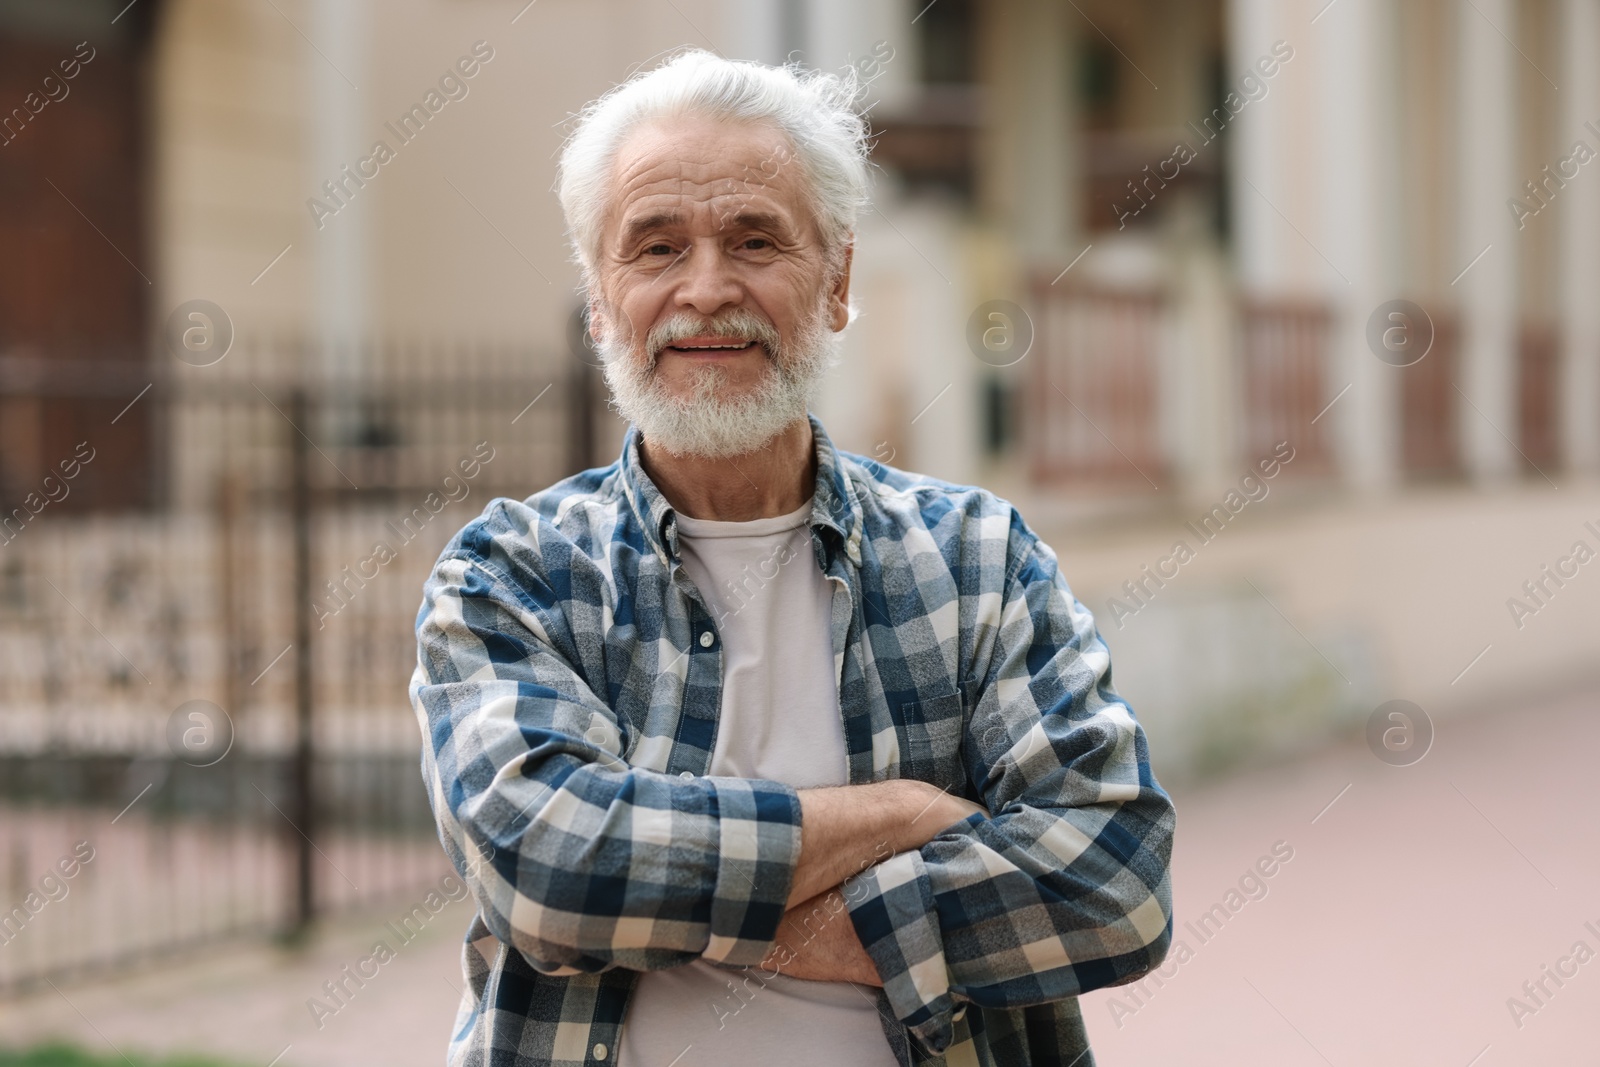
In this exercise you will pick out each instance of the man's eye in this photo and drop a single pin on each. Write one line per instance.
(757, 243)
(658, 249)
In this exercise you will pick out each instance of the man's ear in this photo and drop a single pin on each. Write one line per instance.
(839, 295)
(597, 322)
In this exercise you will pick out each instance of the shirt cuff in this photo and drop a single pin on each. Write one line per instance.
(758, 849)
(892, 908)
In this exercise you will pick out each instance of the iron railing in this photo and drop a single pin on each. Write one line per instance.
(205, 696)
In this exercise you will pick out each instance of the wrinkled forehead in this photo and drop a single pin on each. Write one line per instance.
(706, 172)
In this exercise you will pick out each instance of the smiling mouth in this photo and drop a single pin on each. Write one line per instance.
(728, 347)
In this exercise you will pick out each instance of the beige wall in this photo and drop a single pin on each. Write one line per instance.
(227, 159)
(240, 96)
(460, 235)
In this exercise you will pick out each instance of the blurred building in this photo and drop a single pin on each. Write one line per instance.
(1246, 183)
(1122, 255)
(276, 274)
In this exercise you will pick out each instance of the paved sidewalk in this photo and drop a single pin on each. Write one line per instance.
(1414, 908)
(248, 1002)
(1418, 900)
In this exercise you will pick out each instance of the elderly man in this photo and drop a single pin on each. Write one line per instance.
(751, 750)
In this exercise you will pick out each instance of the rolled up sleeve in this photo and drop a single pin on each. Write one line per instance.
(1066, 887)
(576, 859)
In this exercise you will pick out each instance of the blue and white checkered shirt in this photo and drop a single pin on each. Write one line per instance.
(567, 689)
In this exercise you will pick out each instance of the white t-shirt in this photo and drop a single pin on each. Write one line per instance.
(779, 720)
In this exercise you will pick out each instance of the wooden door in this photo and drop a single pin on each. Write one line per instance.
(75, 262)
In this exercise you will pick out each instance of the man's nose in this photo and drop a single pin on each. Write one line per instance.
(707, 278)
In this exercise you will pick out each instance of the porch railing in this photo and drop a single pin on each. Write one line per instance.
(1283, 375)
(1094, 412)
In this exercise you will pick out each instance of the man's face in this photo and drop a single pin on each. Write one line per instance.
(714, 309)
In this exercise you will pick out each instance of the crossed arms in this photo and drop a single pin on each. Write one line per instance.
(844, 831)
(589, 863)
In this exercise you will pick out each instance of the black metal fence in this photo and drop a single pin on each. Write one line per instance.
(203, 708)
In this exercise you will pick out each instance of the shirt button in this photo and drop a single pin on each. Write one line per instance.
(600, 1051)
(706, 639)
(685, 774)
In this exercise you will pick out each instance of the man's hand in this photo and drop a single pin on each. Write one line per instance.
(846, 829)
(817, 942)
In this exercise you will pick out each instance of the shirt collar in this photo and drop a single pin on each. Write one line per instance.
(833, 503)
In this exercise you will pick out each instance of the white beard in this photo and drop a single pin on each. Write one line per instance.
(706, 422)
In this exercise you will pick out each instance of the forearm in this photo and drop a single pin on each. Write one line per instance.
(716, 889)
(845, 829)
(1086, 904)
(817, 942)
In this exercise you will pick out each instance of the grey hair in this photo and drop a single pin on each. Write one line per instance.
(815, 109)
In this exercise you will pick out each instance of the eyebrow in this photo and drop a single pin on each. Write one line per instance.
(761, 220)
(645, 223)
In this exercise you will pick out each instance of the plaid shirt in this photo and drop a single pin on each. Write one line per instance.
(567, 689)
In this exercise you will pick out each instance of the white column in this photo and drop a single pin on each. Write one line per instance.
(1358, 92)
(1579, 236)
(1049, 186)
(1258, 148)
(1269, 255)
(1030, 65)
(1199, 371)
(340, 133)
(755, 30)
(1486, 94)
(874, 36)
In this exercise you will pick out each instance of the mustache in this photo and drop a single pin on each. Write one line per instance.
(739, 322)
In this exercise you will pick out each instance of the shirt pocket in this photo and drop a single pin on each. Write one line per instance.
(932, 731)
